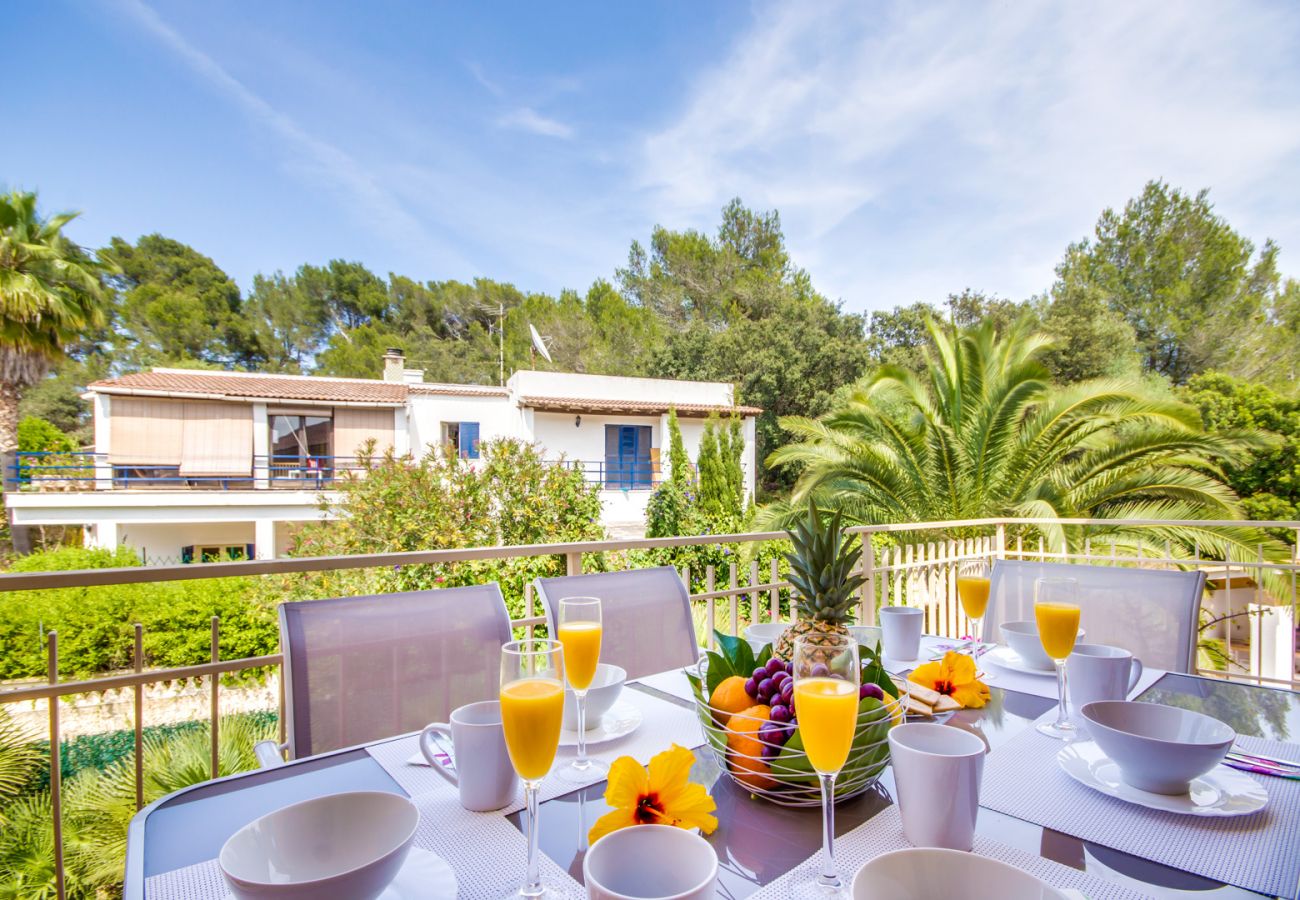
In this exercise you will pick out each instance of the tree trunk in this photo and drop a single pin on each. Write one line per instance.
(18, 534)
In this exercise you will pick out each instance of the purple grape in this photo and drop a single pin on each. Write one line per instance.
(787, 691)
(765, 688)
(770, 751)
(759, 674)
(780, 677)
(780, 713)
(871, 690)
(751, 688)
(821, 670)
(770, 732)
(775, 665)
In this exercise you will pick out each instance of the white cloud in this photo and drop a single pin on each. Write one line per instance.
(314, 158)
(525, 118)
(916, 150)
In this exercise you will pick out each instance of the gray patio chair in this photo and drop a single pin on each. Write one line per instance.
(357, 669)
(648, 626)
(1152, 613)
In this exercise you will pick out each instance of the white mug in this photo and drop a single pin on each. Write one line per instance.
(937, 774)
(482, 770)
(1099, 672)
(651, 861)
(900, 629)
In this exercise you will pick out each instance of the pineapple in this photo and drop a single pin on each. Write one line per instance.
(824, 575)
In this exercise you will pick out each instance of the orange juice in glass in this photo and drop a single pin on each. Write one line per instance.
(579, 629)
(532, 711)
(827, 710)
(1056, 610)
(826, 688)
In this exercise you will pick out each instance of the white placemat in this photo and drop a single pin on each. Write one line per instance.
(1045, 686)
(486, 852)
(884, 832)
(673, 682)
(1257, 852)
(663, 724)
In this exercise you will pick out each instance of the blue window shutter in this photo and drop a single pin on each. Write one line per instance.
(187, 554)
(469, 440)
(249, 551)
(611, 456)
(643, 440)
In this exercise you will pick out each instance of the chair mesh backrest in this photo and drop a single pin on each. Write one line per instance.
(1152, 613)
(358, 669)
(648, 626)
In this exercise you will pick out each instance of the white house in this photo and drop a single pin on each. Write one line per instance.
(196, 465)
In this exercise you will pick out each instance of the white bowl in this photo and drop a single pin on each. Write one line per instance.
(651, 861)
(923, 873)
(764, 633)
(341, 845)
(606, 685)
(1157, 748)
(1022, 638)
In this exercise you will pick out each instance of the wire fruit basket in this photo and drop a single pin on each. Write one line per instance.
(780, 772)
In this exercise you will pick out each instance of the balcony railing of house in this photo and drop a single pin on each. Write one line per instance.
(617, 475)
(87, 471)
(904, 563)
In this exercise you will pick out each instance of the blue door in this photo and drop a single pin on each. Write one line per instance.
(627, 457)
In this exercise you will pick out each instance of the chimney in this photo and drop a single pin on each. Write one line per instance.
(394, 365)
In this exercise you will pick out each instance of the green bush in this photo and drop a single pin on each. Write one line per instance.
(95, 624)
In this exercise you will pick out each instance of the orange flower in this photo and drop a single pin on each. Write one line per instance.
(662, 796)
(955, 676)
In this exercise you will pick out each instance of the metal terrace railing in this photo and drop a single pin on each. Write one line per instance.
(912, 563)
(87, 471)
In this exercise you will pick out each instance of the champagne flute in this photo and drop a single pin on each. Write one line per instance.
(973, 591)
(579, 631)
(826, 683)
(1056, 609)
(532, 711)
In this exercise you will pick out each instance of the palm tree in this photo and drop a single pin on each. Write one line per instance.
(982, 432)
(51, 292)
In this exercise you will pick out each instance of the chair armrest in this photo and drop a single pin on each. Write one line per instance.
(268, 754)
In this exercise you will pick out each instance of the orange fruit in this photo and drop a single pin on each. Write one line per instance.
(744, 749)
(729, 698)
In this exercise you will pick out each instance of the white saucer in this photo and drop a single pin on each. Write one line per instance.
(424, 876)
(1219, 793)
(1006, 658)
(620, 720)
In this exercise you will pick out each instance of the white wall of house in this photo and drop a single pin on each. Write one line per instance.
(617, 387)
(497, 417)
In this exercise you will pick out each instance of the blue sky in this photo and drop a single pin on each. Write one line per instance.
(912, 149)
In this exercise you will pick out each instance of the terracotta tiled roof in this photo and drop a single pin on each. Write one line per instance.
(459, 390)
(239, 385)
(633, 407)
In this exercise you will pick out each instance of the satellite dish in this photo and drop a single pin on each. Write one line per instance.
(538, 344)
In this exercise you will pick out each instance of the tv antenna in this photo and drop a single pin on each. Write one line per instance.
(539, 344)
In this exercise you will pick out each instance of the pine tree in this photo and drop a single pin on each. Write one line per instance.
(735, 475)
(713, 477)
(679, 464)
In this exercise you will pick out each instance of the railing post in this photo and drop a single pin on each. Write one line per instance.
(733, 600)
(216, 687)
(139, 719)
(573, 563)
(774, 591)
(867, 605)
(711, 610)
(56, 769)
(1000, 541)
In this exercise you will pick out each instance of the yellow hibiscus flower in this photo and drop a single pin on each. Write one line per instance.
(662, 796)
(955, 676)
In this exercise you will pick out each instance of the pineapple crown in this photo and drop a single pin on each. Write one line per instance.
(823, 566)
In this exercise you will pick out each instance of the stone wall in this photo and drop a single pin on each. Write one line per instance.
(164, 704)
